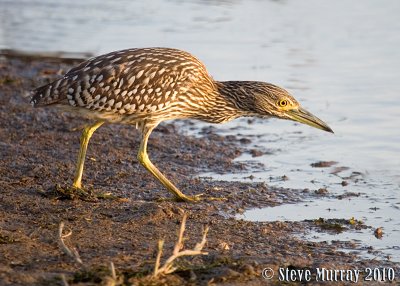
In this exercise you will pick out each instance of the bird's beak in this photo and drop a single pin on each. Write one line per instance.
(303, 116)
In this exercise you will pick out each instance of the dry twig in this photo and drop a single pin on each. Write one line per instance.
(112, 280)
(112, 270)
(72, 252)
(168, 266)
(64, 280)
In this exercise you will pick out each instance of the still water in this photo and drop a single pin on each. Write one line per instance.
(341, 59)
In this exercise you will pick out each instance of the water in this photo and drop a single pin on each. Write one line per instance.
(341, 59)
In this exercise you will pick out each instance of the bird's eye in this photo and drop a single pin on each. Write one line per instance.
(283, 103)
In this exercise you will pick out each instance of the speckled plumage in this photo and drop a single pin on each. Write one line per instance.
(129, 85)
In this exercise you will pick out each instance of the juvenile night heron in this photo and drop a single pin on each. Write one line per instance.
(146, 86)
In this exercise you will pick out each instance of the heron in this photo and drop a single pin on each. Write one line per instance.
(146, 86)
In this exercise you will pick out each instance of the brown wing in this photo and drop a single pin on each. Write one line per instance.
(127, 81)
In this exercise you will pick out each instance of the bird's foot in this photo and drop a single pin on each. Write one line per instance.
(74, 193)
(80, 193)
(189, 199)
(193, 199)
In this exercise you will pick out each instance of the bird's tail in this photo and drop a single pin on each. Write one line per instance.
(27, 94)
(47, 94)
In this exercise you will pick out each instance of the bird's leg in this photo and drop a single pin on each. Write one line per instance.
(85, 137)
(145, 161)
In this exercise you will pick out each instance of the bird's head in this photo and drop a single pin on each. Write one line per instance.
(270, 100)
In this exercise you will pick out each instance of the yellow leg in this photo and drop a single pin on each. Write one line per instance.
(145, 161)
(85, 137)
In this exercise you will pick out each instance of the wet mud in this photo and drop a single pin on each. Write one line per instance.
(131, 211)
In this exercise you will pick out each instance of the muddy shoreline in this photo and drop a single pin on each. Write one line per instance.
(38, 148)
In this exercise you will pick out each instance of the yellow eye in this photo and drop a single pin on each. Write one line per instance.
(283, 103)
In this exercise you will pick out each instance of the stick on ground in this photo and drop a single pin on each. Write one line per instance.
(168, 266)
(72, 252)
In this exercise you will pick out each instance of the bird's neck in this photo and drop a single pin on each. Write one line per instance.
(228, 101)
(218, 105)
